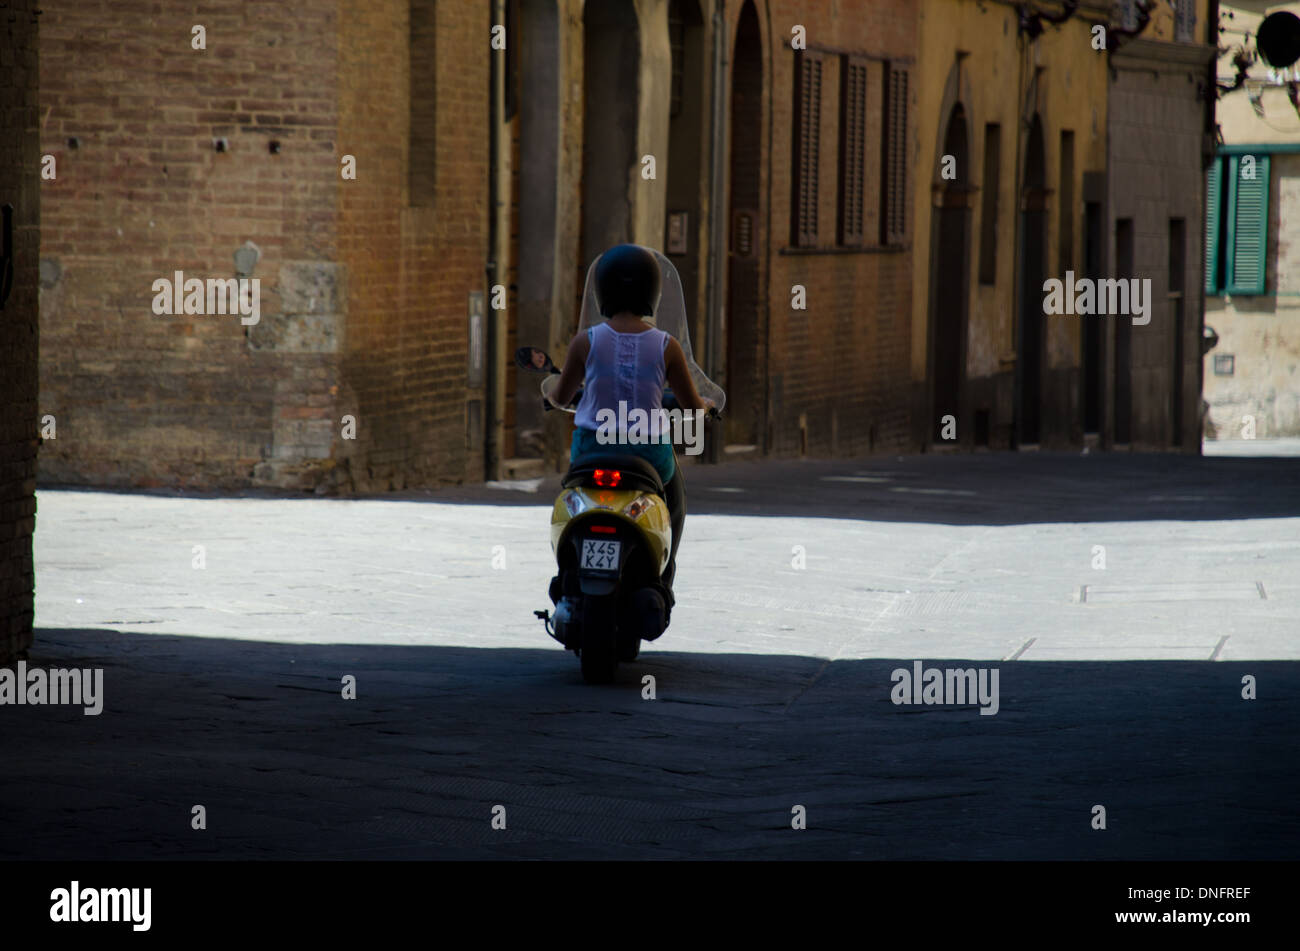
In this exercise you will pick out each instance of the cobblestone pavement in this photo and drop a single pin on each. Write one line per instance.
(1118, 686)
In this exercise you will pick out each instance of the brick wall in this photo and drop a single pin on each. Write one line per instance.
(842, 363)
(363, 293)
(204, 400)
(19, 187)
(411, 269)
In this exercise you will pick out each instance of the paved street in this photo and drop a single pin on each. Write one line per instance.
(802, 586)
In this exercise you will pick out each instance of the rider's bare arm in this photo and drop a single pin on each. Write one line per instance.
(573, 372)
(679, 377)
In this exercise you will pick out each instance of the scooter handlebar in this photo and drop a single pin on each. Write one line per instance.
(669, 402)
(547, 405)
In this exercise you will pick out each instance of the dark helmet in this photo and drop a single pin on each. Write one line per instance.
(627, 278)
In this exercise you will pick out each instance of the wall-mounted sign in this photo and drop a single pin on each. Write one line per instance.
(1223, 364)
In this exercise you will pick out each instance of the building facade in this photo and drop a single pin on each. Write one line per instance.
(1147, 377)
(1014, 135)
(766, 149)
(1252, 274)
(866, 201)
(418, 186)
(1062, 151)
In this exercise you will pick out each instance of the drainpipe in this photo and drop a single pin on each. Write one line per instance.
(497, 265)
(714, 352)
(1017, 292)
(1211, 37)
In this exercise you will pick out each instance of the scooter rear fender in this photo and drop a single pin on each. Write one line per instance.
(582, 505)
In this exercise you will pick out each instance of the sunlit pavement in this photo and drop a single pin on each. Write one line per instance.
(1120, 598)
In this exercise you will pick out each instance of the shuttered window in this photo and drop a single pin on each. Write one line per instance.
(853, 150)
(1236, 224)
(1213, 222)
(807, 147)
(893, 192)
(1247, 223)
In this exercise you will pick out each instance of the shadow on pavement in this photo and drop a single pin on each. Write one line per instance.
(258, 734)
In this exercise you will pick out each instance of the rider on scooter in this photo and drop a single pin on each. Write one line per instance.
(625, 359)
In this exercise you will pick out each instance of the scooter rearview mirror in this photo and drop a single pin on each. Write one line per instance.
(531, 358)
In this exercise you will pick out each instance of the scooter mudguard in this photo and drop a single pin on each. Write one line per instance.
(643, 512)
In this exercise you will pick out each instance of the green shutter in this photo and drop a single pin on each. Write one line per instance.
(1213, 202)
(1247, 226)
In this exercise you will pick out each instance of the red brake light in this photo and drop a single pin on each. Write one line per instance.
(608, 478)
(603, 529)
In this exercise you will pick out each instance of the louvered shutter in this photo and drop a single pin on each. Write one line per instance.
(1213, 202)
(853, 150)
(807, 151)
(893, 218)
(1247, 225)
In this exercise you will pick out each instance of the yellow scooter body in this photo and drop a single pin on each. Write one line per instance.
(645, 510)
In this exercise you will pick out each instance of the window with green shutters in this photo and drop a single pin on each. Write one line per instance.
(1247, 223)
(1236, 224)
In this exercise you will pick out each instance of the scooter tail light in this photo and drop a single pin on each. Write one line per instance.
(607, 478)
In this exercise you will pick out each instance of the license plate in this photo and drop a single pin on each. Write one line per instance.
(600, 555)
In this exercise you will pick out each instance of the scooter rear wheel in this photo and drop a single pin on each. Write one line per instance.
(599, 653)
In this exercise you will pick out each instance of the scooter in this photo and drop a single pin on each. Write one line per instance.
(612, 536)
(610, 527)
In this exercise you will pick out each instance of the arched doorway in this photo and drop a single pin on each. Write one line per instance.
(745, 395)
(1033, 253)
(950, 277)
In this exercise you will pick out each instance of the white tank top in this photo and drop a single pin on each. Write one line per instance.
(621, 367)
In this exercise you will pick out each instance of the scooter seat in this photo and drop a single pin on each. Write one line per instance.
(637, 471)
